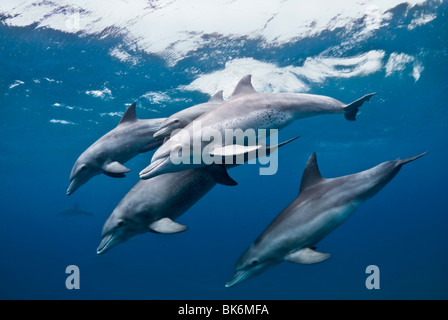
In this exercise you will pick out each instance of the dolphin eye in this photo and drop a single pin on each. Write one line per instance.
(255, 262)
(176, 121)
(120, 223)
(83, 168)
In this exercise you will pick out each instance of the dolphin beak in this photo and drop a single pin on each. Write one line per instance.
(237, 277)
(161, 132)
(72, 187)
(149, 171)
(106, 244)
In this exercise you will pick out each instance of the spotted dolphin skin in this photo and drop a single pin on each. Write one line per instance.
(107, 155)
(245, 110)
(152, 205)
(321, 206)
(180, 119)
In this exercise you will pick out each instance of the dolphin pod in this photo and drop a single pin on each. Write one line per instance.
(152, 205)
(247, 109)
(167, 190)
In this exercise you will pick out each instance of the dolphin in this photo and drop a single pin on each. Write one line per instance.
(247, 109)
(152, 205)
(107, 155)
(180, 119)
(321, 206)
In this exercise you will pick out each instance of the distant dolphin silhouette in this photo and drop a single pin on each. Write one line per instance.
(75, 211)
(107, 155)
(321, 206)
(247, 109)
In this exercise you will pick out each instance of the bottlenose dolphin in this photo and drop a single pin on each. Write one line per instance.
(180, 119)
(246, 110)
(107, 155)
(152, 205)
(321, 206)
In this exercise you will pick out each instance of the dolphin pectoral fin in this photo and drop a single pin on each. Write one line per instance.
(166, 225)
(233, 150)
(219, 173)
(114, 175)
(307, 256)
(351, 109)
(115, 167)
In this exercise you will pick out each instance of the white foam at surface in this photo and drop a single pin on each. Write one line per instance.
(61, 121)
(112, 114)
(156, 97)
(397, 62)
(103, 94)
(417, 70)
(422, 20)
(268, 77)
(265, 77)
(123, 56)
(174, 28)
(16, 83)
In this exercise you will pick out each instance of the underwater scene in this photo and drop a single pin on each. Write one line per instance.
(348, 200)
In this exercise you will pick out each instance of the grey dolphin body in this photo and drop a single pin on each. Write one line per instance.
(107, 155)
(321, 206)
(246, 109)
(182, 118)
(152, 205)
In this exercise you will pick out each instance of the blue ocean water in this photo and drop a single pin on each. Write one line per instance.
(59, 92)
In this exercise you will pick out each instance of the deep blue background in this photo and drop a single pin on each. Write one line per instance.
(402, 229)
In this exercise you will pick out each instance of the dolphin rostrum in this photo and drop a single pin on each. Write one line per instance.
(245, 110)
(321, 206)
(152, 205)
(180, 119)
(107, 155)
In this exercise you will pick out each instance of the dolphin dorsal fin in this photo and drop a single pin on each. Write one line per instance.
(311, 174)
(243, 87)
(129, 115)
(217, 97)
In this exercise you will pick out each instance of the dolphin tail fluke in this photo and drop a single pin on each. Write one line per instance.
(351, 109)
(404, 161)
